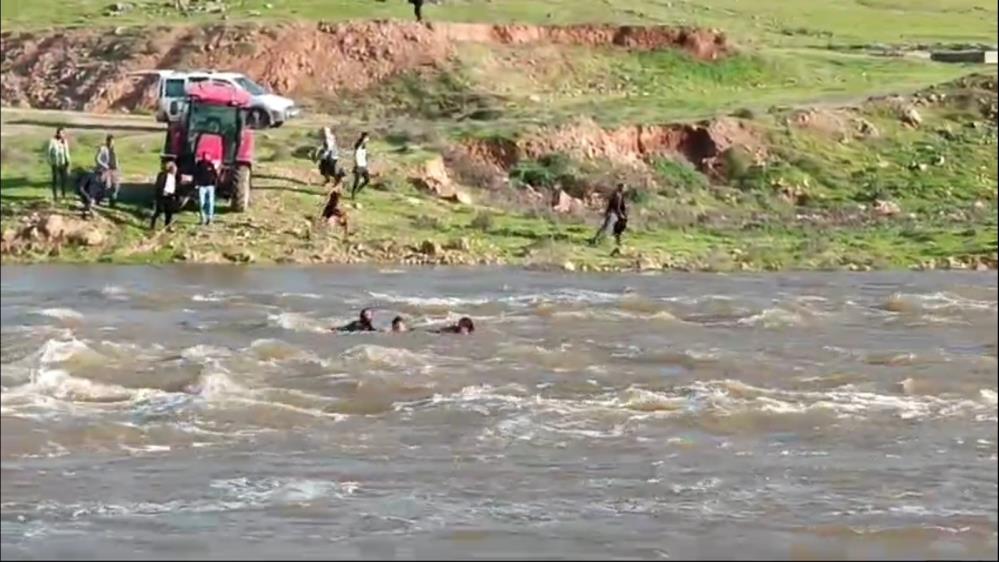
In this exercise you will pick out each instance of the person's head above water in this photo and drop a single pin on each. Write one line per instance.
(465, 325)
(399, 325)
(367, 316)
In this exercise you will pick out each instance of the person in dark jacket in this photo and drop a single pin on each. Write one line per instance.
(616, 211)
(205, 178)
(364, 323)
(90, 188)
(417, 9)
(165, 195)
(464, 326)
(333, 213)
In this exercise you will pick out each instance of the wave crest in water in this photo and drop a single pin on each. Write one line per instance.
(940, 301)
(61, 313)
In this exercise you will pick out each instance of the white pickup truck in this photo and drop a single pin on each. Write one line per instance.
(266, 108)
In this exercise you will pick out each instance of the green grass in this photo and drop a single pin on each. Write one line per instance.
(948, 208)
(809, 22)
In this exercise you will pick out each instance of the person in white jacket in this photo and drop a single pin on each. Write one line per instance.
(361, 176)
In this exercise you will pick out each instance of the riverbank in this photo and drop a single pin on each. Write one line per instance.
(900, 182)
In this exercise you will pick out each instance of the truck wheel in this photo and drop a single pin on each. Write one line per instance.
(259, 119)
(241, 189)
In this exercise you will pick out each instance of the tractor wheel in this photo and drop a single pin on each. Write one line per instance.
(259, 119)
(241, 189)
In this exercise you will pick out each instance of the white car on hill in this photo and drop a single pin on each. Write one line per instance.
(267, 109)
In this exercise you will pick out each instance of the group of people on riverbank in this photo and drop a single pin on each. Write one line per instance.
(366, 323)
(104, 181)
(327, 156)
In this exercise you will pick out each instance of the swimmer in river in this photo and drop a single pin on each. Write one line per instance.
(399, 325)
(362, 324)
(464, 326)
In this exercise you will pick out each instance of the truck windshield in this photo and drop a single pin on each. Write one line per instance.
(250, 86)
(174, 88)
(213, 119)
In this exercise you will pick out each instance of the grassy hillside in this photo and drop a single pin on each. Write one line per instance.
(807, 22)
(811, 206)
(824, 196)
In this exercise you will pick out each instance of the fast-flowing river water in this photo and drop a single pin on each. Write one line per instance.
(197, 412)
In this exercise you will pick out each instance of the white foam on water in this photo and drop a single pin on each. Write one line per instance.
(311, 296)
(297, 322)
(773, 318)
(939, 301)
(417, 301)
(265, 491)
(61, 313)
(114, 292)
(202, 352)
(391, 357)
(214, 296)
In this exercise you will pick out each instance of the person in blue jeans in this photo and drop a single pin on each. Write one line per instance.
(205, 178)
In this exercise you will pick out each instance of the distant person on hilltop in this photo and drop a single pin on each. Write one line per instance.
(616, 211)
(58, 158)
(417, 9)
(361, 176)
(106, 162)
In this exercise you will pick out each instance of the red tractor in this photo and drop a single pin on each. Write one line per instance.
(214, 123)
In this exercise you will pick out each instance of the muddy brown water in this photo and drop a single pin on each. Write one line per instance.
(205, 412)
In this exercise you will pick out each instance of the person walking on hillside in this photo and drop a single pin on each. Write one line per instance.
(205, 178)
(165, 202)
(58, 158)
(417, 9)
(360, 165)
(328, 155)
(106, 161)
(616, 211)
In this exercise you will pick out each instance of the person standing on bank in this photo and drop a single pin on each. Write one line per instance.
(616, 211)
(417, 9)
(360, 165)
(106, 162)
(57, 155)
(165, 201)
(205, 178)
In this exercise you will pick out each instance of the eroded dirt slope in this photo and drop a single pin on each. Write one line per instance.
(93, 70)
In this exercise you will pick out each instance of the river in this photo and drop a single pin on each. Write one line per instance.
(207, 412)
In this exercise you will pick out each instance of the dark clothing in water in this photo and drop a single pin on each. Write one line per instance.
(357, 326)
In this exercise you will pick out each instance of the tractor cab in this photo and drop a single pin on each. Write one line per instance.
(214, 123)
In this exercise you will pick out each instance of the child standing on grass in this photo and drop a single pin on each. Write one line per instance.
(333, 214)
